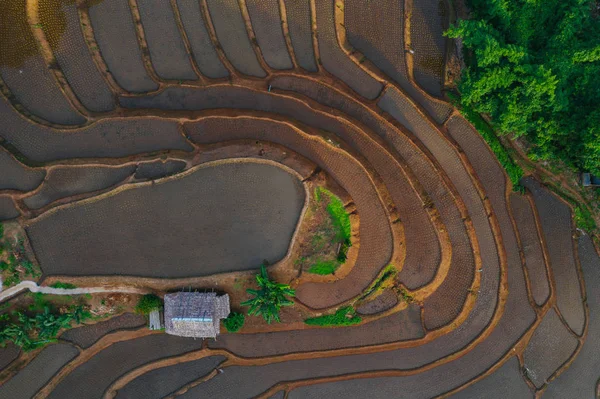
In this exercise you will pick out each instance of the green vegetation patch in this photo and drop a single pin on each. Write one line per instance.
(324, 267)
(148, 303)
(534, 68)
(584, 219)
(339, 216)
(40, 324)
(60, 284)
(345, 316)
(234, 322)
(331, 234)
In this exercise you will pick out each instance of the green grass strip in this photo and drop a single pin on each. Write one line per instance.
(345, 316)
(514, 171)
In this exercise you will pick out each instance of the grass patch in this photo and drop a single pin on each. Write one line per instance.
(331, 232)
(514, 171)
(583, 219)
(339, 216)
(345, 316)
(324, 267)
(60, 284)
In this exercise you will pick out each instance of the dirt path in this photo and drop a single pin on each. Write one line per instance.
(33, 287)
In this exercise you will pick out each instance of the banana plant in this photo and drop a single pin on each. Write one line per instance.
(269, 299)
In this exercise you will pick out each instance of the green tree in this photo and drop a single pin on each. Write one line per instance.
(270, 298)
(534, 68)
(148, 303)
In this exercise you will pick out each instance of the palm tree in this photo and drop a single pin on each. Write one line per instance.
(269, 299)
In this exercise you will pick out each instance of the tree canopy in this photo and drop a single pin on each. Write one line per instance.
(534, 67)
(270, 298)
(148, 303)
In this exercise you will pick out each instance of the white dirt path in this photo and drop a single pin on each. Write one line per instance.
(33, 287)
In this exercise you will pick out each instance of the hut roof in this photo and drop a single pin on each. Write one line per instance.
(195, 314)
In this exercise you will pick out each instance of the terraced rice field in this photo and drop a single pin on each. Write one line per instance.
(176, 144)
(259, 202)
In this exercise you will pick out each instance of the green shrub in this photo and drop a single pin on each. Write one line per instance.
(345, 316)
(234, 321)
(324, 267)
(148, 303)
(60, 284)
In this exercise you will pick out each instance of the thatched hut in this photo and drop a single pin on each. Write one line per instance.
(195, 314)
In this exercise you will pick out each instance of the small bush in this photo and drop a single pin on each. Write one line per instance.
(324, 267)
(148, 303)
(234, 321)
(345, 316)
(60, 284)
